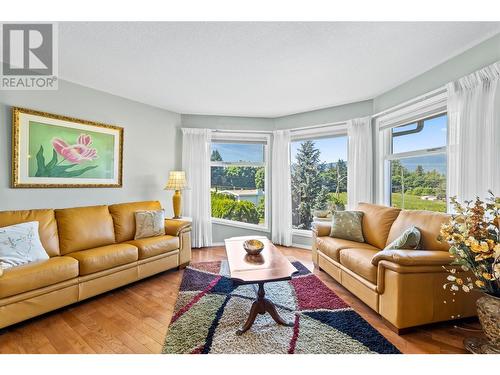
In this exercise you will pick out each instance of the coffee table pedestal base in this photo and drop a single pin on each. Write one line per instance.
(261, 306)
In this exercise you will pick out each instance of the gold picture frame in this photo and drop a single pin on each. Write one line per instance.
(94, 159)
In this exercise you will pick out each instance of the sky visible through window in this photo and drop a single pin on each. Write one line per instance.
(433, 135)
(235, 152)
(331, 149)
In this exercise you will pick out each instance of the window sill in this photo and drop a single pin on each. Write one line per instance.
(302, 233)
(236, 224)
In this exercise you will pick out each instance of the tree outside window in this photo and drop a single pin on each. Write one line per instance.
(318, 178)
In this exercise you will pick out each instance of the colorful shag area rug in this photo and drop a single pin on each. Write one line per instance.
(210, 309)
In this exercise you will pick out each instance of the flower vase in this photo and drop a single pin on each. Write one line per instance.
(488, 311)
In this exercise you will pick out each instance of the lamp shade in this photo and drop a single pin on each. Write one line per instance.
(176, 180)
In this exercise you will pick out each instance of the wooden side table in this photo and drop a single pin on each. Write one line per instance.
(269, 266)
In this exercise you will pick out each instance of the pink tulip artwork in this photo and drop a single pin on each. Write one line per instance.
(77, 153)
(65, 152)
(74, 154)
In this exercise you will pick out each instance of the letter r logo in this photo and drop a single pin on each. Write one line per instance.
(27, 49)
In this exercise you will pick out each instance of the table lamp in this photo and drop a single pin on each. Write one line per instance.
(176, 181)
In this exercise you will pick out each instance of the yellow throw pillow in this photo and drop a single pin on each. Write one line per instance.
(149, 224)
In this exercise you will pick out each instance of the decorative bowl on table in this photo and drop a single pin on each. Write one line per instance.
(253, 247)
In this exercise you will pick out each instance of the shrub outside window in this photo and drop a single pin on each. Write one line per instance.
(239, 182)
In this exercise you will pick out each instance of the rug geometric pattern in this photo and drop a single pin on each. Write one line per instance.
(210, 309)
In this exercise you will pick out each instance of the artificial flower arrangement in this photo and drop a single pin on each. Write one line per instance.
(474, 235)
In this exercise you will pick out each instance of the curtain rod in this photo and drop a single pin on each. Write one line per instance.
(318, 126)
(291, 130)
(241, 131)
(432, 93)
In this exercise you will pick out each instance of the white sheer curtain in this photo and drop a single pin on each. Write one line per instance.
(281, 219)
(359, 162)
(474, 134)
(196, 164)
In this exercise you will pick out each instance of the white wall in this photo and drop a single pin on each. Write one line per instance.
(325, 115)
(473, 59)
(149, 147)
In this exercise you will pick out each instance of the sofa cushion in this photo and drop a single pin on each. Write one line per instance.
(359, 261)
(37, 275)
(347, 225)
(149, 224)
(84, 228)
(408, 240)
(427, 222)
(377, 222)
(20, 244)
(414, 257)
(105, 257)
(331, 246)
(124, 217)
(149, 247)
(47, 227)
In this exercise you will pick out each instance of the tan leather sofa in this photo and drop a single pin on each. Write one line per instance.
(404, 286)
(92, 250)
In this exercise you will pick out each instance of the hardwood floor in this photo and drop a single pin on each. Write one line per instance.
(134, 319)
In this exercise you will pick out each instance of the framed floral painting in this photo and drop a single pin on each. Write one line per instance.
(52, 151)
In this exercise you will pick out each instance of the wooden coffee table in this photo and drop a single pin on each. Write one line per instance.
(269, 266)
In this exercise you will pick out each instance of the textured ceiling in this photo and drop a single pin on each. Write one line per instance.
(257, 69)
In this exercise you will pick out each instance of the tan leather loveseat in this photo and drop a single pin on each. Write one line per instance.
(404, 286)
(92, 250)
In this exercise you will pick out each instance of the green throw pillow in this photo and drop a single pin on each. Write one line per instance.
(347, 225)
(409, 240)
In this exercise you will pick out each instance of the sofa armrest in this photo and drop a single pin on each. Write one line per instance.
(414, 257)
(175, 227)
(321, 229)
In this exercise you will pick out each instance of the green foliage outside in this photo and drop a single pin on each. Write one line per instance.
(417, 182)
(261, 209)
(341, 197)
(237, 178)
(225, 206)
(306, 185)
(315, 185)
(414, 202)
(408, 187)
(215, 156)
(260, 178)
